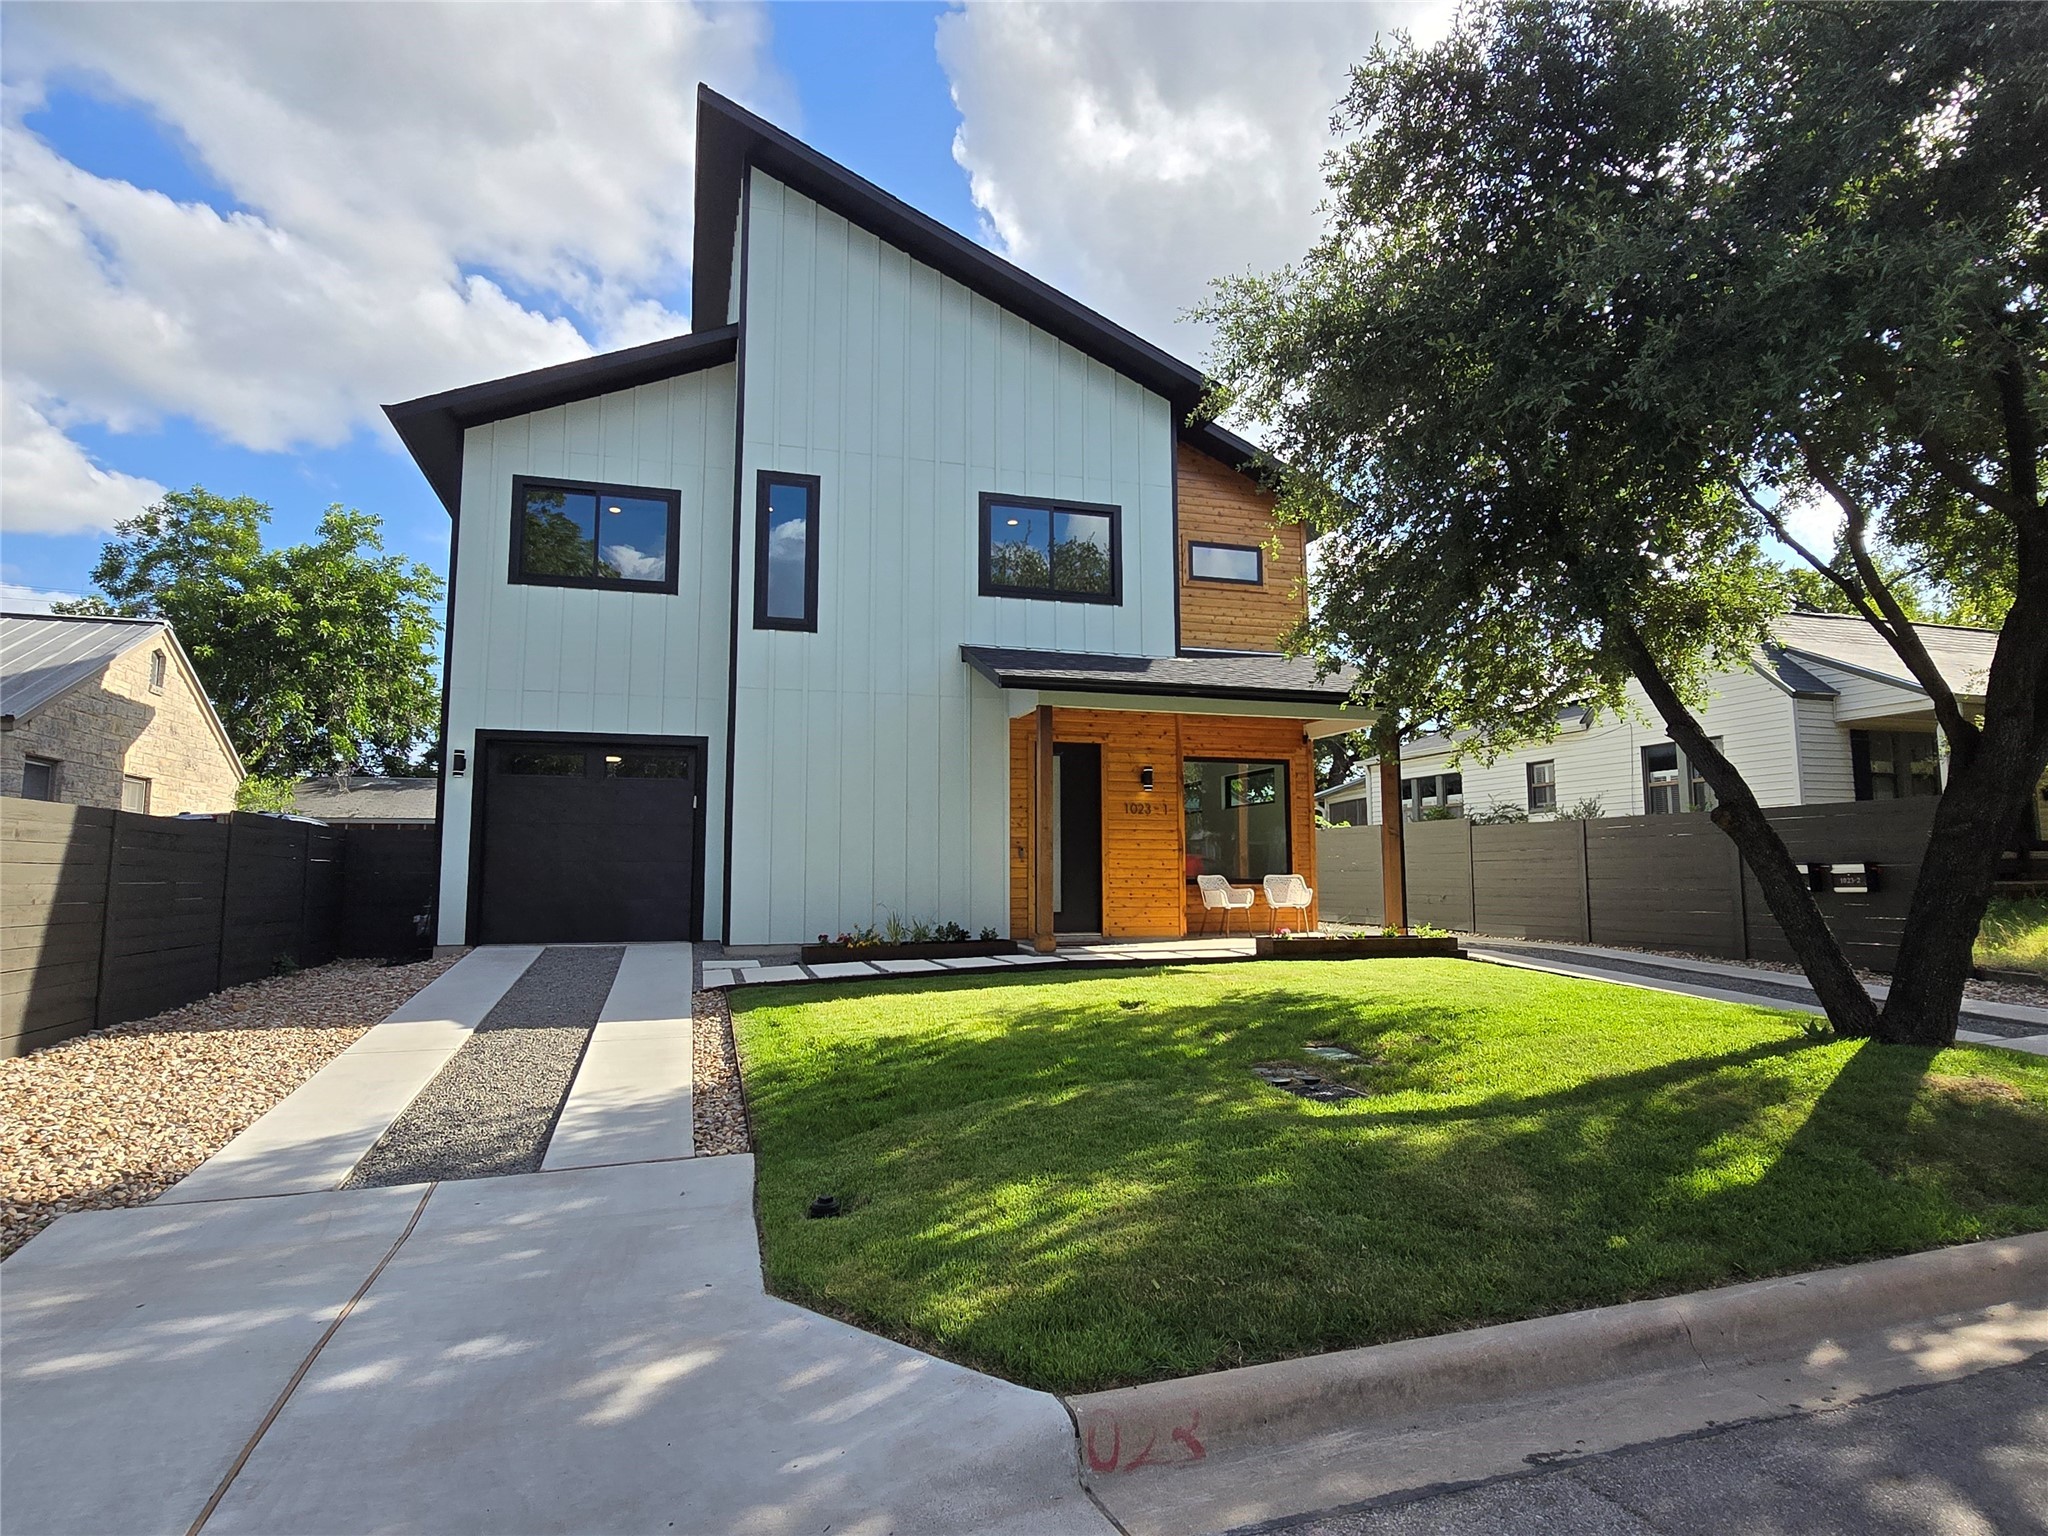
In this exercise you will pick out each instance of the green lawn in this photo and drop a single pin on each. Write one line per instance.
(2014, 935)
(1076, 1181)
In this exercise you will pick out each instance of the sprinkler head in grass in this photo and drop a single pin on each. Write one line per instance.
(824, 1205)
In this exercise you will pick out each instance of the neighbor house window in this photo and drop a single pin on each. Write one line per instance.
(1894, 765)
(38, 778)
(134, 794)
(1699, 793)
(156, 671)
(1660, 780)
(786, 551)
(1355, 812)
(1437, 797)
(1065, 551)
(1543, 786)
(1240, 563)
(1236, 819)
(577, 534)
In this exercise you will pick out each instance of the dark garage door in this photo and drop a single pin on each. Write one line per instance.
(588, 843)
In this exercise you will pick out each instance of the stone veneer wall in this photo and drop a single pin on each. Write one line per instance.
(114, 726)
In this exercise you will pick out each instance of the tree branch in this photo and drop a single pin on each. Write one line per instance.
(1849, 587)
(1898, 629)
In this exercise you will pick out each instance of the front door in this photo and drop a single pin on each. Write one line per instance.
(1077, 838)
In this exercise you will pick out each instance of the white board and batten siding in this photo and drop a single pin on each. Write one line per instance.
(572, 659)
(1753, 717)
(871, 766)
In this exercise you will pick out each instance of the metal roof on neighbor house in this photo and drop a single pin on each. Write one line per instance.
(1273, 679)
(368, 797)
(43, 656)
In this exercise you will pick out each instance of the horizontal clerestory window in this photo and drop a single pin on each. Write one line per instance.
(569, 533)
(1062, 551)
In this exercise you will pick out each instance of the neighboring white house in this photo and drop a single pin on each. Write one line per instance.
(1826, 713)
(902, 585)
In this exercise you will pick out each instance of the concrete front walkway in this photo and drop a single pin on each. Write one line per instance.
(584, 1349)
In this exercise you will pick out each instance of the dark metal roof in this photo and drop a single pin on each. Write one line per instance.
(43, 656)
(431, 427)
(729, 139)
(1781, 669)
(1275, 679)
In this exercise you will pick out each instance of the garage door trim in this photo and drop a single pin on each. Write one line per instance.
(480, 756)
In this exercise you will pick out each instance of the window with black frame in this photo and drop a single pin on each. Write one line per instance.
(1061, 551)
(579, 534)
(1236, 816)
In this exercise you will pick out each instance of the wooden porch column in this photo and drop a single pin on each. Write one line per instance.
(1393, 859)
(1041, 833)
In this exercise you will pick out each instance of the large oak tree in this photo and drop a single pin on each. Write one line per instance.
(1608, 287)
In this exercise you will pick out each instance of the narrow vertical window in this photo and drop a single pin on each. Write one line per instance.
(1543, 786)
(786, 552)
(156, 671)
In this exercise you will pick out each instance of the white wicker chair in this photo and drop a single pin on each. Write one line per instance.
(1285, 893)
(1219, 895)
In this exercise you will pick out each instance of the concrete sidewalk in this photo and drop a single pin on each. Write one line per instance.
(581, 1349)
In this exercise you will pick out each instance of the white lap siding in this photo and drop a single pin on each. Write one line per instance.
(538, 658)
(871, 768)
(1752, 716)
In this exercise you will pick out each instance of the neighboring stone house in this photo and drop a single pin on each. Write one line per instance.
(108, 712)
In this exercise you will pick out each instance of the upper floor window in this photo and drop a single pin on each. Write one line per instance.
(568, 533)
(134, 794)
(786, 552)
(1543, 785)
(1240, 563)
(1065, 551)
(156, 671)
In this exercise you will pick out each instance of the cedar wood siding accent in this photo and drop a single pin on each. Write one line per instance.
(1145, 893)
(1218, 505)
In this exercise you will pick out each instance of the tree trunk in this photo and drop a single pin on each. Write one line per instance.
(1785, 890)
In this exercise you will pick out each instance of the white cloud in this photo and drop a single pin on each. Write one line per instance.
(420, 192)
(16, 598)
(49, 485)
(1130, 153)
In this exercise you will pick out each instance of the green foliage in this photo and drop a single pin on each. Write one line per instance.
(267, 792)
(2015, 935)
(1500, 813)
(1078, 1182)
(319, 656)
(1587, 809)
(1595, 271)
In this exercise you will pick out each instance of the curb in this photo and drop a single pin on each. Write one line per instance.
(1195, 1417)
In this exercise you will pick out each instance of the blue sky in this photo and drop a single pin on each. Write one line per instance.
(892, 118)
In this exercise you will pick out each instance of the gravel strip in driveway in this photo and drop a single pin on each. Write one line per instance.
(115, 1117)
(718, 1105)
(491, 1110)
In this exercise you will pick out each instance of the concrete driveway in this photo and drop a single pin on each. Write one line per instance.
(575, 1350)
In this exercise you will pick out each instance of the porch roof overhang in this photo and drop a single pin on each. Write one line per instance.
(1184, 680)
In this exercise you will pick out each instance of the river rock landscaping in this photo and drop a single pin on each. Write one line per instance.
(115, 1117)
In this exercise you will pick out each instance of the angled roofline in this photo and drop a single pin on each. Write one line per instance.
(730, 139)
(431, 427)
(143, 623)
(994, 663)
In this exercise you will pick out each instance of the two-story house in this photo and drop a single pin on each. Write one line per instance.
(903, 585)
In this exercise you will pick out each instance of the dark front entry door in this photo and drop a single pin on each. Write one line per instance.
(588, 843)
(1077, 838)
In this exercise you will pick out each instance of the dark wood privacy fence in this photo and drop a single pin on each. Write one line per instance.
(1657, 882)
(107, 915)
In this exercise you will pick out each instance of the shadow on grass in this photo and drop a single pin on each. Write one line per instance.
(1077, 1182)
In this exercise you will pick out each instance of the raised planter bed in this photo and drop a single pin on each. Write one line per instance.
(1400, 946)
(970, 949)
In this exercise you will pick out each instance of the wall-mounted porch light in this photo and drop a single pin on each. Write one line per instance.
(1145, 779)
(460, 764)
